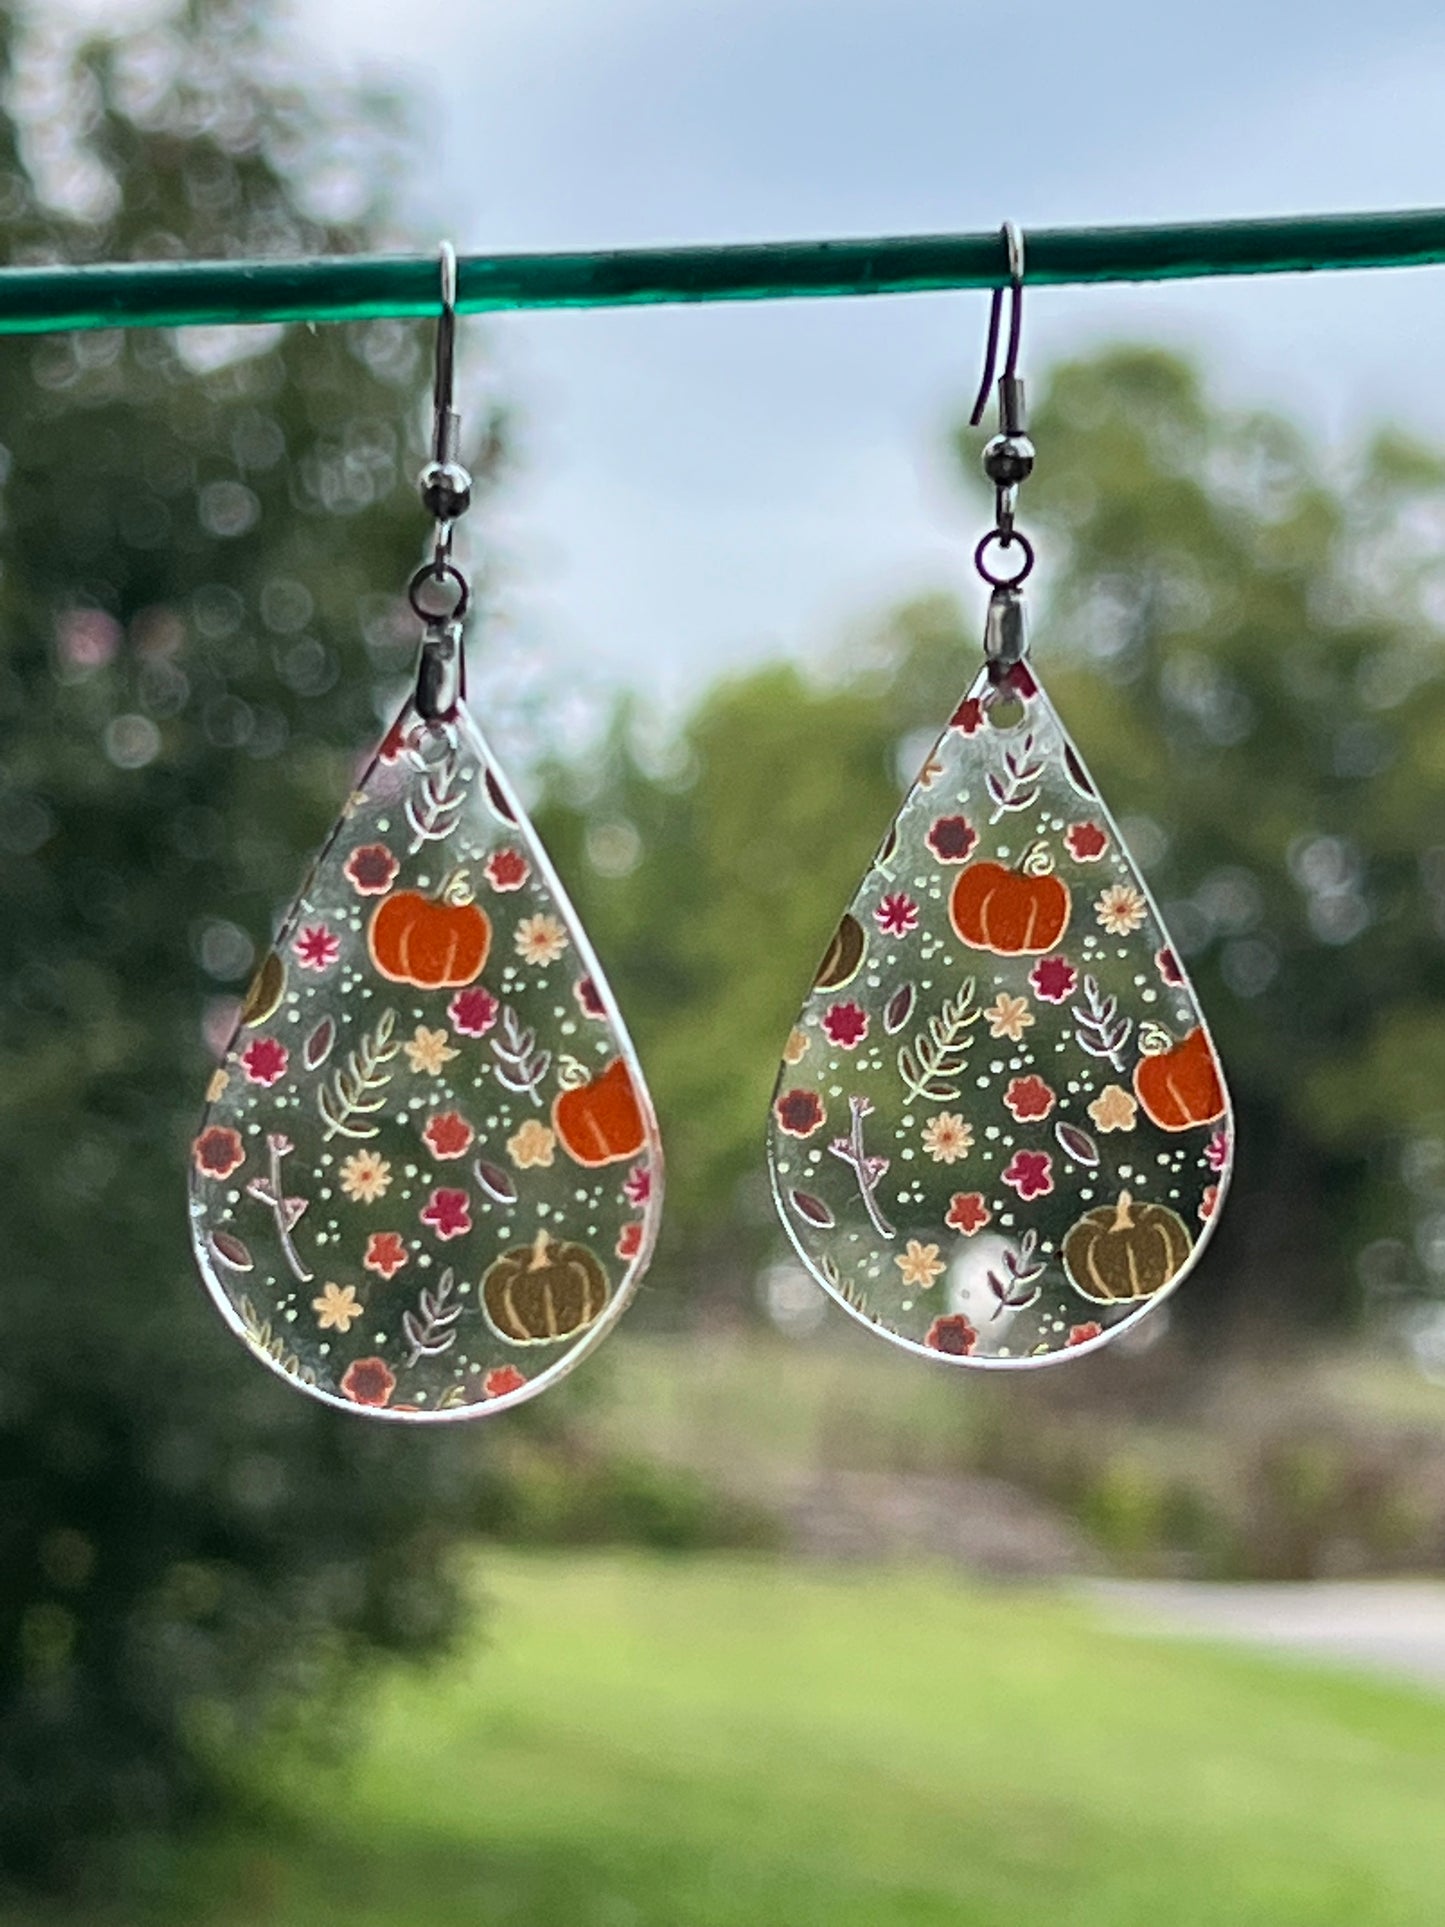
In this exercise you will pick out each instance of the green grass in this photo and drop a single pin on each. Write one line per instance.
(743, 1743)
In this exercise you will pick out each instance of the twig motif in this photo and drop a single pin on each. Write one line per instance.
(869, 1171)
(288, 1212)
(259, 1331)
(1018, 789)
(935, 1058)
(429, 1328)
(520, 1065)
(1100, 1026)
(433, 807)
(1020, 1287)
(354, 1091)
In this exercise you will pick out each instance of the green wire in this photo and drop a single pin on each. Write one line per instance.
(355, 287)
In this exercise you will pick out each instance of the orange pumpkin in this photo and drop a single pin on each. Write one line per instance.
(1178, 1084)
(1021, 912)
(436, 942)
(600, 1122)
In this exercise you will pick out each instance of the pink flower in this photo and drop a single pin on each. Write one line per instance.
(1031, 1173)
(501, 1380)
(629, 1239)
(1208, 1202)
(588, 1002)
(897, 915)
(385, 1253)
(316, 947)
(264, 1060)
(967, 1212)
(219, 1151)
(1087, 841)
(1081, 1334)
(507, 869)
(951, 838)
(368, 1381)
(968, 717)
(637, 1185)
(846, 1024)
(1216, 1151)
(799, 1113)
(1053, 978)
(473, 1012)
(1028, 1098)
(448, 1214)
(448, 1134)
(953, 1335)
(371, 870)
(1167, 964)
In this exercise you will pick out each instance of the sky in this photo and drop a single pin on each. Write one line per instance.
(697, 488)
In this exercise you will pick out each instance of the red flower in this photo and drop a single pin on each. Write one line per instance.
(1031, 1173)
(507, 869)
(1081, 1334)
(316, 947)
(629, 1239)
(897, 915)
(219, 1151)
(1029, 1098)
(1216, 1151)
(799, 1113)
(264, 1060)
(967, 1212)
(503, 1379)
(448, 1134)
(968, 716)
(368, 1381)
(1208, 1202)
(394, 741)
(1053, 978)
(588, 1002)
(846, 1024)
(951, 838)
(448, 1214)
(1087, 841)
(371, 870)
(473, 1012)
(953, 1335)
(385, 1253)
(637, 1185)
(1167, 964)
(1020, 683)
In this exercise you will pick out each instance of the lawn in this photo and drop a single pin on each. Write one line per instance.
(731, 1742)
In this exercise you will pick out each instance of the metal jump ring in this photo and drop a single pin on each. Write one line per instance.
(448, 572)
(980, 558)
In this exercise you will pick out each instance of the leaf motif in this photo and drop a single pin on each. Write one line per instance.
(429, 1328)
(231, 1251)
(898, 1009)
(1018, 788)
(354, 1091)
(317, 1048)
(498, 802)
(813, 1210)
(259, 1331)
(520, 1065)
(936, 1056)
(1077, 1144)
(1100, 1027)
(433, 806)
(495, 1182)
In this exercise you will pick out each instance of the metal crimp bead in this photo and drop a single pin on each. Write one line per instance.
(1008, 460)
(446, 490)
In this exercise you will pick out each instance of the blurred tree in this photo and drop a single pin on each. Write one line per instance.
(1245, 638)
(202, 539)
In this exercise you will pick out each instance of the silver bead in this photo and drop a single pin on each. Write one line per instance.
(446, 490)
(1008, 460)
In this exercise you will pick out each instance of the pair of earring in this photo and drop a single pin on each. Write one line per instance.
(429, 1177)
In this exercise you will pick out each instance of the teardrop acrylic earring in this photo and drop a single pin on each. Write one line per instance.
(428, 1178)
(1000, 1134)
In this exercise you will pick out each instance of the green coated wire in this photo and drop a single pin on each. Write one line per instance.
(356, 287)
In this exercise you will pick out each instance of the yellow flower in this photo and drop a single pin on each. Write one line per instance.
(531, 1143)
(336, 1309)
(1120, 909)
(428, 1051)
(946, 1138)
(365, 1176)
(920, 1264)
(1113, 1109)
(1009, 1016)
(218, 1083)
(796, 1048)
(540, 939)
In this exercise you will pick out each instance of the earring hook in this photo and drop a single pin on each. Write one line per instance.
(448, 422)
(446, 493)
(1010, 392)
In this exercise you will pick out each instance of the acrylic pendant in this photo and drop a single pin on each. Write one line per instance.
(429, 1176)
(1000, 1134)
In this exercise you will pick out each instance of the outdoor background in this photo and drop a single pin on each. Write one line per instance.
(752, 1621)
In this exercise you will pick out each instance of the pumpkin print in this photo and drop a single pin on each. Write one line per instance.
(434, 943)
(543, 1291)
(1178, 1085)
(1125, 1251)
(1021, 912)
(599, 1122)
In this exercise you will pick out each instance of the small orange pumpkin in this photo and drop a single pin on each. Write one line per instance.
(1179, 1084)
(1021, 912)
(436, 942)
(600, 1122)
(549, 1289)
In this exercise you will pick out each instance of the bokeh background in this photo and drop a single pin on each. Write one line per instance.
(751, 1622)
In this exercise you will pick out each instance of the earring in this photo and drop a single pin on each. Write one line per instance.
(429, 1177)
(1000, 1134)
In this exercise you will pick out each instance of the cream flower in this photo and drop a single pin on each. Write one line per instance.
(1120, 909)
(946, 1138)
(796, 1048)
(428, 1050)
(1009, 1016)
(365, 1176)
(920, 1264)
(540, 939)
(218, 1083)
(532, 1143)
(1113, 1109)
(337, 1308)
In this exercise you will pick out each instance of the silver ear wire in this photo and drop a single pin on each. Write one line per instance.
(446, 493)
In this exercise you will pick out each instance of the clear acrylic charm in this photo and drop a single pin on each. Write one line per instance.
(429, 1177)
(1000, 1134)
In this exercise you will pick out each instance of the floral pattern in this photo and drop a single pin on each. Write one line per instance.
(979, 1021)
(374, 1144)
